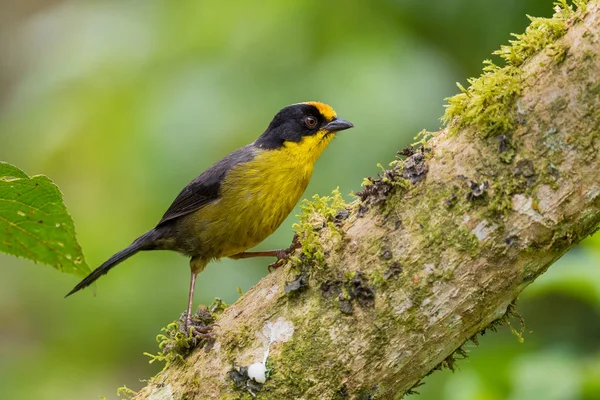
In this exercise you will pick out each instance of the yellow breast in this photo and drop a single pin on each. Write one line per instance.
(257, 196)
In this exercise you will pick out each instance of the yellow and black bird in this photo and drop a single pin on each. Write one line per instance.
(242, 199)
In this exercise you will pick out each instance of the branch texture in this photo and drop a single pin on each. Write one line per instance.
(435, 250)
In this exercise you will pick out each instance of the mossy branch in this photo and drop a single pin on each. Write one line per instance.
(388, 288)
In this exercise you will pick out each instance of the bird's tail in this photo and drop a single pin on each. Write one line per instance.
(144, 242)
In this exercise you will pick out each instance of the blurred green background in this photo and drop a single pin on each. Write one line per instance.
(122, 102)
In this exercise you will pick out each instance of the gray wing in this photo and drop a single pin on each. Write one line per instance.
(206, 187)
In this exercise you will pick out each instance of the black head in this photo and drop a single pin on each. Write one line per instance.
(297, 121)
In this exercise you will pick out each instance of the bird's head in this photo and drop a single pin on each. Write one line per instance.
(304, 127)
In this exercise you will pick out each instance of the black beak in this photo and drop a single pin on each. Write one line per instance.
(337, 125)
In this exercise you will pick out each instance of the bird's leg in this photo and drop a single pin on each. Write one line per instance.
(282, 254)
(190, 328)
(188, 314)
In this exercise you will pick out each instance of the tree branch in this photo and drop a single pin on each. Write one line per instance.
(437, 248)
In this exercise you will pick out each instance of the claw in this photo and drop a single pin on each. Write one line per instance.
(284, 255)
(274, 265)
(198, 331)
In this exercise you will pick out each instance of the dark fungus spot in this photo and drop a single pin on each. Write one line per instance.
(239, 376)
(415, 168)
(343, 391)
(361, 291)
(367, 394)
(253, 386)
(243, 381)
(476, 189)
(378, 190)
(299, 283)
(524, 168)
(503, 144)
(528, 278)
(511, 240)
(386, 254)
(353, 289)
(450, 201)
(331, 289)
(340, 216)
(552, 171)
(407, 151)
(346, 306)
(393, 271)
(362, 210)
(40, 222)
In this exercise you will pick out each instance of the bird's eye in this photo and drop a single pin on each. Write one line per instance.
(310, 121)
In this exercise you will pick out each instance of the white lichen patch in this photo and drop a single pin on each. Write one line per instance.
(483, 230)
(593, 192)
(438, 306)
(271, 292)
(549, 201)
(278, 331)
(523, 205)
(429, 268)
(268, 293)
(403, 306)
(500, 310)
(281, 330)
(162, 393)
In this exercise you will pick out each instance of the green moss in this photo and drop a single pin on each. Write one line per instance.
(175, 344)
(463, 239)
(558, 52)
(236, 339)
(218, 306)
(420, 293)
(589, 55)
(377, 278)
(125, 392)
(540, 33)
(302, 360)
(423, 138)
(559, 104)
(500, 203)
(508, 156)
(489, 102)
(506, 319)
(447, 232)
(317, 214)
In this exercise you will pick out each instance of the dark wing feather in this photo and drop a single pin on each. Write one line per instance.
(206, 187)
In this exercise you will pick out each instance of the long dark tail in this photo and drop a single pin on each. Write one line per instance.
(144, 242)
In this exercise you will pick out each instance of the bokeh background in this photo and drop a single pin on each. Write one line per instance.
(122, 102)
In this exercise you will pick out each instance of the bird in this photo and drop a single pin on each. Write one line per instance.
(241, 199)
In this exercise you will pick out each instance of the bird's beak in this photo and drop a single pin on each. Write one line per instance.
(337, 125)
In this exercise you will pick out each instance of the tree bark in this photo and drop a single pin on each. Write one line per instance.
(434, 252)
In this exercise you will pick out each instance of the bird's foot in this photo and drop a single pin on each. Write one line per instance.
(198, 326)
(198, 331)
(284, 254)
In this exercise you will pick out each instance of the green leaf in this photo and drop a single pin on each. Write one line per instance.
(8, 172)
(34, 222)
